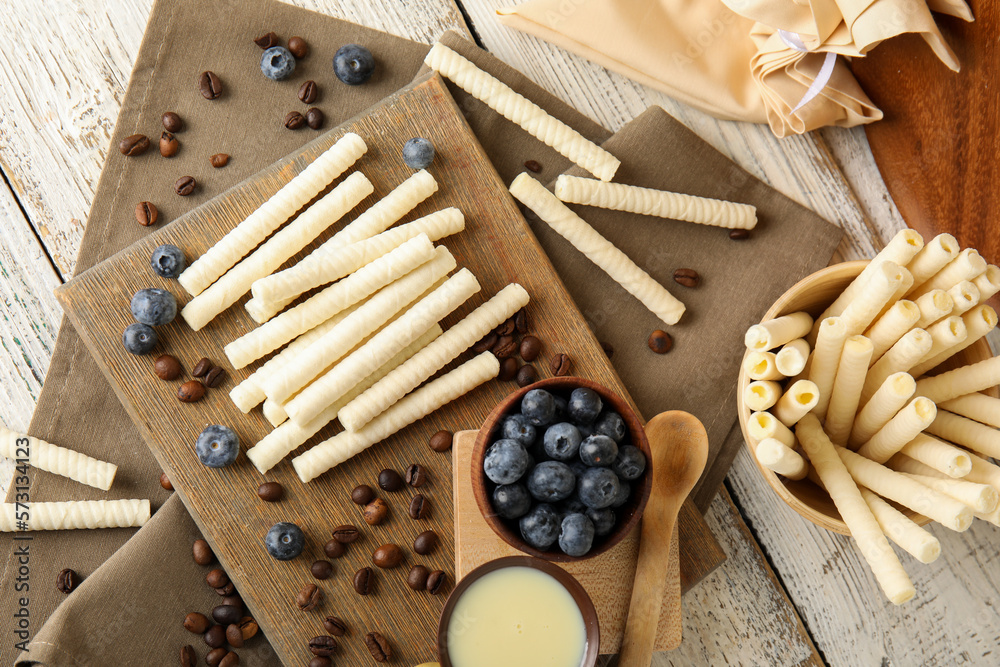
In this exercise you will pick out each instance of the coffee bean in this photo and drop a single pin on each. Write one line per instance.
(267, 41)
(387, 555)
(435, 581)
(485, 343)
(234, 636)
(739, 234)
(219, 160)
(508, 369)
(314, 118)
(526, 375)
(323, 645)
(346, 534)
(417, 579)
(67, 581)
(191, 391)
(217, 578)
(216, 636)
(308, 597)
(506, 328)
(225, 614)
(609, 349)
(530, 348)
(390, 480)
(234, 601)
(230, 660)
(228, 589)
(334, 549)
(165, 482)
(335, 626)
(197, 623)
(441, 441)
(308, 91)
(420, 507)
(201, 368)
(505, 347)
(133, 145)
(320, 661)
(687, 277)
(146, 214)
(185, 185)
(522, 321)
(209, 85)
(363, 581)
(660, 341)
(215, 377)
(248, 626)
(362, 494)
(425, 542)
(532, 165)
(416, 475)
(322, 569)
(202, 552)
(375, 512)
(294, 120)
(560, 364)
(172, 122)
(270, 492)
(215, 656)
(298, 47)
(378, 646)
(169, 144)
(188, 656)
(167, 367)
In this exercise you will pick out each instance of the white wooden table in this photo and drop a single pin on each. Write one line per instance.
(788, 594)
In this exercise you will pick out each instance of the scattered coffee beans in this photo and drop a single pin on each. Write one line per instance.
(375, 512)
(209, 85)
(334, 549)
(67, 581)
(146, 214)
(270, 492)
(416, 475)
(267, 41)
(530, 348)
(739, 234)
(228, 589)
(219, 160)
(226, 615)
(133, 145)
(229, 660)
(309, 597)
(378, 646)
(167, 367)
(165, 482)
(387, 555)
(202, 368)
(185, 185)
(508, 369)
(335, 626)
(324, 645)
(687, 277)
(362, 494)
(172, 122)
(346, 534)
(660, 341)
(522, 321)
(215, 377)
(202, 552)
(533, 166)
(248, 626)
(308, 92)
(217, 578)
(363, 581)
(507, 327)
(188, 656)
(505, 347)
(436, 581)
(322, 569)
(191, 391)
(485, 343)
(420, 507)
(425, 542)
(390, 480)
(560, 364)
(320, 661)
(216, 636)
(215, 656)
(294, 120)
(298, 47)
(417, 579)
(196, 623)
(441, 441)
(526, 375)
(234, 636)
(234, 601)
(314, 118)
(168, 144)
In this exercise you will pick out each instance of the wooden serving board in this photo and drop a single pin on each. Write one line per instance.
(497, 246)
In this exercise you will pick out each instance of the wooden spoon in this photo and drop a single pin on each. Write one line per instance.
(679, 445)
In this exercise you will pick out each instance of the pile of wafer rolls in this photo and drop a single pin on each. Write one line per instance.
(854, 400)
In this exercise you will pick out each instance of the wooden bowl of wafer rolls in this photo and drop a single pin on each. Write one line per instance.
(856, 346)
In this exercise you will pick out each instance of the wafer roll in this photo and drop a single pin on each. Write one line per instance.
(939, 455)
(901, 429)
(73, 515)
(57, 460)
(978, 323)
(902, 530)
(887, 400)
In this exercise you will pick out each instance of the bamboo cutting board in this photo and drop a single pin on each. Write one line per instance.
(496, 245)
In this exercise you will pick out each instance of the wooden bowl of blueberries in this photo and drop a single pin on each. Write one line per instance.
(560, 469)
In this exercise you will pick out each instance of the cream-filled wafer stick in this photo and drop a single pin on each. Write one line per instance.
(935, 255)
(890, 327)
(272, 214)
(274, 252)
(987, 282)
(359, 285)
(978, 322)
(434, 357)
(980, 497)
(792, 357)
(903, 463)
(900, 358)
(983, 472)
(659, 203)
(763, 425)
(902, 288)
(938, 454)
(902, 530)
(946, 334)
(960, 381)
(854, 511)
(901, 429)
(966, 266)
(760, 395)
(933, 306)
(777, 332)
(984, 409)
(597, 249)
(779, 457)
(887, 400)
(965, 295)
(876, 295)
(312, 362)
(847, 389)
(57, 460)
(762, 366)
(520, 110)
(73, 515)
(274, 412)
(825, 358)
(909, 493)
(413, 407)
(289, 436)
(407, 327)
(968, 433)
(798, 399)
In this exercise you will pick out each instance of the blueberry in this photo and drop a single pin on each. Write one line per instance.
(611, 424)
(584, 406)
(154, 306)
(418, 153)
(539, 407)
(630, 463)
(551, 481)
(284, 541)
(576, 535)
(277, 63)
(540, 526)
(572, 505)
(353, 64)
(598, 488)
(604, 520)
(586, 430)
(562, 441)
(511, 501)
(506, 462)
(139, 338)
(578, 467)
(562, 411)
(598, 451)
(516, 427)
(217, 446)
(624, 492)
(168, 261)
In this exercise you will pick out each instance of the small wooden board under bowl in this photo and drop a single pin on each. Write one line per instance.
(497, 246)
